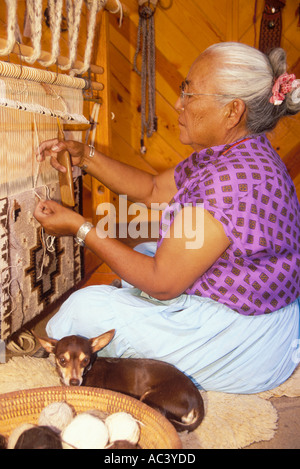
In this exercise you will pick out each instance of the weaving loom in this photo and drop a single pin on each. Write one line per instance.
(33, 275)
(35, 269)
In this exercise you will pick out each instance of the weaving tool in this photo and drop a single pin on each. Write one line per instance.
(65, 179)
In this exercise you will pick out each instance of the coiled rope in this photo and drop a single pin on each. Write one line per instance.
(146, 35)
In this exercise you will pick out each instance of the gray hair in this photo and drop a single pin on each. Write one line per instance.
(246, 73)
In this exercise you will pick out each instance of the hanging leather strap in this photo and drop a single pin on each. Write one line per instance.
(271, 25)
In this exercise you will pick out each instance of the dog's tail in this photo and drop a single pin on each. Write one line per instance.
(188, 422)
(191, 421)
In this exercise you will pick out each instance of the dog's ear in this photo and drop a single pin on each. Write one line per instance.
(46, 343)
(98, 343)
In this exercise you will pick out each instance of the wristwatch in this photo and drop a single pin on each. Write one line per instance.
(82, 232)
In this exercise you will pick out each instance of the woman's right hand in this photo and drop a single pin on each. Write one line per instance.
(53, 147)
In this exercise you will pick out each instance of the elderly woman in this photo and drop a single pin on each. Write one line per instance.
(225, 309)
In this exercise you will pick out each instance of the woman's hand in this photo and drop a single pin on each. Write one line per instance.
(56, 219)
(53, 147)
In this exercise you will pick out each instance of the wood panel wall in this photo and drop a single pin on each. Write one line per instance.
(184, 28)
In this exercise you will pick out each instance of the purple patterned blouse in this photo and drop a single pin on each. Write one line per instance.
(246, 187)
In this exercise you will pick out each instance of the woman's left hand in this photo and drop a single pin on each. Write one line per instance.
(56, 219)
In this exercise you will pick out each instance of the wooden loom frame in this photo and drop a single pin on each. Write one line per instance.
(103, 131)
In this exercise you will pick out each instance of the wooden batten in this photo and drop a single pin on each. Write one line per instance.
(28, 50)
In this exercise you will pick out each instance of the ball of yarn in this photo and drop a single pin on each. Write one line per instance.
(15, 434)
(123, 444)
(3, 443)
(85, 432)
(123, 426)
(57, 415)
(39, 438)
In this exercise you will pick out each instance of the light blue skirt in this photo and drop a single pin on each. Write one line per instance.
(218, 348)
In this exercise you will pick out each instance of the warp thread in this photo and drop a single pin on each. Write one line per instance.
(49, 240)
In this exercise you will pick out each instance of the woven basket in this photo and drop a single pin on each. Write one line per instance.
(21, 407)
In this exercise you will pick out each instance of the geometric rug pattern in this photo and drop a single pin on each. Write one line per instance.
(32, 276)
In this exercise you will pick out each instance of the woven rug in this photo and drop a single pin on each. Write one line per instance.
(32, 277)
(231, 421)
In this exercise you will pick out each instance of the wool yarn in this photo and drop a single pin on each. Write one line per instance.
(122, 426)
(85, 432)
(35, 8)
(57, 416)
(16, 433)
(39, 438)
(123, 444)
(11, 26)
(56, 11)
(3, 443)
(89, 42)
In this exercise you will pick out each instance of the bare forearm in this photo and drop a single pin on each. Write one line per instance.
(178, 262)
(134, 267)
(137, 185)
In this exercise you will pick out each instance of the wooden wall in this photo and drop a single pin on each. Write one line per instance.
(182, 32)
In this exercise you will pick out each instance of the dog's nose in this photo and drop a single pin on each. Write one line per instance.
(74, 382)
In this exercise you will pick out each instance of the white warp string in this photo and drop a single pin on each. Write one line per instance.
(39, 109)
(46, 240)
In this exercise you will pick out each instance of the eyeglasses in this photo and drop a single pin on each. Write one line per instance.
(184, 94)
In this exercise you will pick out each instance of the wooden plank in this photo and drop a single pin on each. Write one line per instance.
(124, 152)
(175, 45)
(126, 104)
(191, 17)
(168, 77)
(248, 32)
(286, 135)
(103, 131)
(163, 149)
(214, 14)
(292, 161)
(232, 20)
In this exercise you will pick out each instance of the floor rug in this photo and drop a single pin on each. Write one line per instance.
(232, 421)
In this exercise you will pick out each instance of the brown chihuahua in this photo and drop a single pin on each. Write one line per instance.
(156, 383)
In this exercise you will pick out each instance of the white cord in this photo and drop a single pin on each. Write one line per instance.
(55, 14)
(11, 26)
(35, 16)
(49, 240)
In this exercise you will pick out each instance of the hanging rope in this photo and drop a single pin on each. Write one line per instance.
(73, 17)
(94, 8)
(11, 26)
(55, 17)
(146, 35)
(34, 8)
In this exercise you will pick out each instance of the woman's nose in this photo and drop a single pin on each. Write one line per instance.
(178, 105)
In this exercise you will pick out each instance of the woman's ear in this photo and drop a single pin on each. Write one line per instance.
(235, 113)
